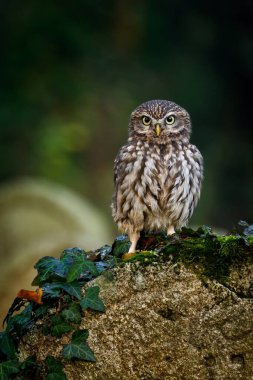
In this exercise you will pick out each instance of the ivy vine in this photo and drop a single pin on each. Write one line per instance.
(60, 283)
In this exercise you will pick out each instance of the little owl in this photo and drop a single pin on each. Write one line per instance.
(158, 173)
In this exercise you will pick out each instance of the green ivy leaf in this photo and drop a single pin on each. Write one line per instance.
(60, 329)
(70, 254)
(16, 305)
(28, 363)
(56, 319)
(54, 290)
(92, 300)
(72, 314)
(36, 281)
(73, 288)
(80, 266)
(7, 346)
(8, 368)
(54, 369)
(51, 290)
(21, 322)
(41, 311)
(120, 246)
(49, 268)
(104, 251)
(53, 365)
(77, 350)
(80, 336)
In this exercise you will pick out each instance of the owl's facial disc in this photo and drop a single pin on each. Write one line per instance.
(160, 122)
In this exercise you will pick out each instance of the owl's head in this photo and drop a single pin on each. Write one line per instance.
(160, 122)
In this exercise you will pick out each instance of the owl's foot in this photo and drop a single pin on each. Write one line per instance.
(170, 230)
(134, 237)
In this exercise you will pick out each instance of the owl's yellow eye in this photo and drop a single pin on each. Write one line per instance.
(146, 120)
(170, 119)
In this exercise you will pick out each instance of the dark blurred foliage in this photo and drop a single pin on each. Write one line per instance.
(72, 71)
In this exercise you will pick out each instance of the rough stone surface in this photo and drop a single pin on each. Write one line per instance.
(164, 321)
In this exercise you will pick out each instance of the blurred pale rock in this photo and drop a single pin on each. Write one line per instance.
(39, 218)
(163, 321)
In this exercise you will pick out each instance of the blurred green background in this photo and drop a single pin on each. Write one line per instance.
(72, 71)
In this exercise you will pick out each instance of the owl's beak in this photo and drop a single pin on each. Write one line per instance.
(158, 129)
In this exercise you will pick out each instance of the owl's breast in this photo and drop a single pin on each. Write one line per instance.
(167, 183)
(151, 174)
(155, 187)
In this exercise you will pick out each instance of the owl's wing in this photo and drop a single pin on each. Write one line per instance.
(197, 158)
(120, 164)
(196, 172)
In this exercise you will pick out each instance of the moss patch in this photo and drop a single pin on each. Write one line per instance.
(211, 255)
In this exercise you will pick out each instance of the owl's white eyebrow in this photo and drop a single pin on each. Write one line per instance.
(170, 113)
